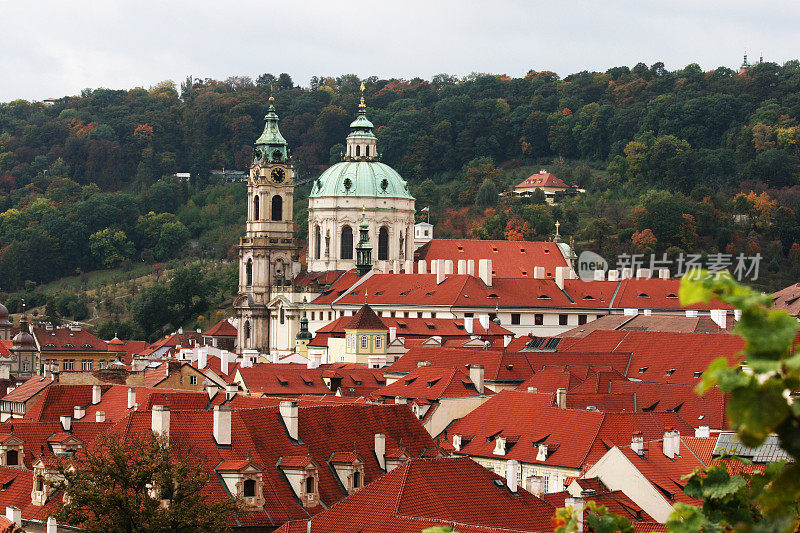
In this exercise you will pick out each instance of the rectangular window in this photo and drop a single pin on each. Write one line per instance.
(378, 342)
(86, 365)
(581, 320)
(26, 366)
(330, 315)
(364, 342)
(192, 380)
(469, 315)
(405, 314)
(516, 319)
(433, 315)
(546, 484)
(312, 315)
(538, 319)
(562, 320)
(68, 364)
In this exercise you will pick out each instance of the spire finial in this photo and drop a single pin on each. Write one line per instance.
(362, 105)
(366, 293)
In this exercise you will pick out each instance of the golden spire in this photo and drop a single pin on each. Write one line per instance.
(362, 105)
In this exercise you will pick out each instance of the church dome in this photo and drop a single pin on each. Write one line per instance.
(361, 178)
(4, 316)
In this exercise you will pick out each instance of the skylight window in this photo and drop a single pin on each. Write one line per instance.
(698, 373)
(428, 294)
(543, 297)
(671, 371)
(643, 369)
(643, 295)
(589, 297)
(671, 295)
(493, 295)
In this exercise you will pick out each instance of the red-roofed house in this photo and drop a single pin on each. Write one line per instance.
(288, 380)
(551, 185)
(437, 395)
(222, 335)
(72, 349)
(452, 492)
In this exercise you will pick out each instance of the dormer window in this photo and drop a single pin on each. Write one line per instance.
(303, 476)
(249, 488)
(11, 450)
(243, 479)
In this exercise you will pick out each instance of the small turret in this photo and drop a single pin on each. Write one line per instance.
(271, 146)
(363, 248)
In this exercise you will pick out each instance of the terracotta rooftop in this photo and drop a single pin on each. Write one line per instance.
(223, 328)
(365, 318)
(542, 179)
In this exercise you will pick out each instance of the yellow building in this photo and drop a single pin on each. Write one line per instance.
(366, 337)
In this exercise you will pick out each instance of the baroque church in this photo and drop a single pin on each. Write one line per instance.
(360, 215)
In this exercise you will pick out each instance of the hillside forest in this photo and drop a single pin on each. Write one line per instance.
(677, 161)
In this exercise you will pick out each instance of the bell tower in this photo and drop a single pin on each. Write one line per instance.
(268, 254)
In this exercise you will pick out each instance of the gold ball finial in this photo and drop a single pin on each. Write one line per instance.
(271, 99)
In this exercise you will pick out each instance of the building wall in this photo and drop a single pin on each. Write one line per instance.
(555, 475)
(450, 409)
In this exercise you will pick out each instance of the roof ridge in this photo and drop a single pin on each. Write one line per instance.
(401, 489)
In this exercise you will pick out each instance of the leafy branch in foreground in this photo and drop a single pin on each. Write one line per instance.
(760, 404)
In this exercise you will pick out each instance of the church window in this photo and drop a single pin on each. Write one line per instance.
(277, 207)
(347, 243)
(249, 488)
(358, 151)
(256, 214)
(366, 150)
(317, 242)
(383, 244)
(247, 329)
(249, 272)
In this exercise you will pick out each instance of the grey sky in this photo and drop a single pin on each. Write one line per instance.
(52, 49)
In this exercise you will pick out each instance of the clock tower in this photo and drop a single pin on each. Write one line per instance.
(268, 255)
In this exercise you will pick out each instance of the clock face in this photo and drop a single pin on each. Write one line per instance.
(278, 175)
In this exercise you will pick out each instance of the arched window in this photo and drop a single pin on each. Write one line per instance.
(247, 329)
(310, 485)
(249, 272)
(249, 488)
(39, 483)
(317, 242)
(358, 150)
(356, 479)
(12, 458)
(347, 243)
(383, 244)
(277, 207)
(256, 213)
(366, 150)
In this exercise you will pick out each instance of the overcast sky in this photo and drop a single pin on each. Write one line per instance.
(51, 49)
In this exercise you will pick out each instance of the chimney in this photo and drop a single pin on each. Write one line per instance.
(457, 442)
(691, 313)
(66, 422)
(676, 442)
(222, 425)
(131, 398)
(599, 275)
(702, 431)
(627, 273)
(100, 416)
(507, 340)
(561, 398)
(561, 274)
(613, 275)
(720, 317)
(448, 266)
(541, 454)
(96, 393)
(52, 525)
(434, 265)
(485, 271)
(637, 443)
(468, 324)
(409, 266)
(392, 334)
(462, 267)
(476, 375)
(737, 315)
(380, 449)
(644, 273)
(667, 443)
(78, 412)
(484, 321)
(400, 400)
(538, 272)
(470, 267)
(14, 514)
(512, 467)
(647, 312)
(422, 267)
(290, 414)
(230, 391)
(160, 421)
(396, 266)
(202, 358)
(533, 389)
(663, 273)
(314, 360)
(440, 271)
(577, 504)
(223, 362)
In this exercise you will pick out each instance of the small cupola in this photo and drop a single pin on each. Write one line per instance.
(362, 145)
(271, 147)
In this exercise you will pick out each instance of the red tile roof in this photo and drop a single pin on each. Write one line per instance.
(365, 318)
(424, 493)
(223, 328)
(66, 339)
(665, 474)
(421, 328)
(353, 379)
(58, 400)
(541, 179)
(788, 299)
(656, 293)
(290, 379)
(498, 365)
(430, 383)
(707, 410)
(574, 437)
(615, 501)
(28, 389)
(510, 259)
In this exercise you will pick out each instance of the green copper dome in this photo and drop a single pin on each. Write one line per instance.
(361, 178)
(271, 146)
